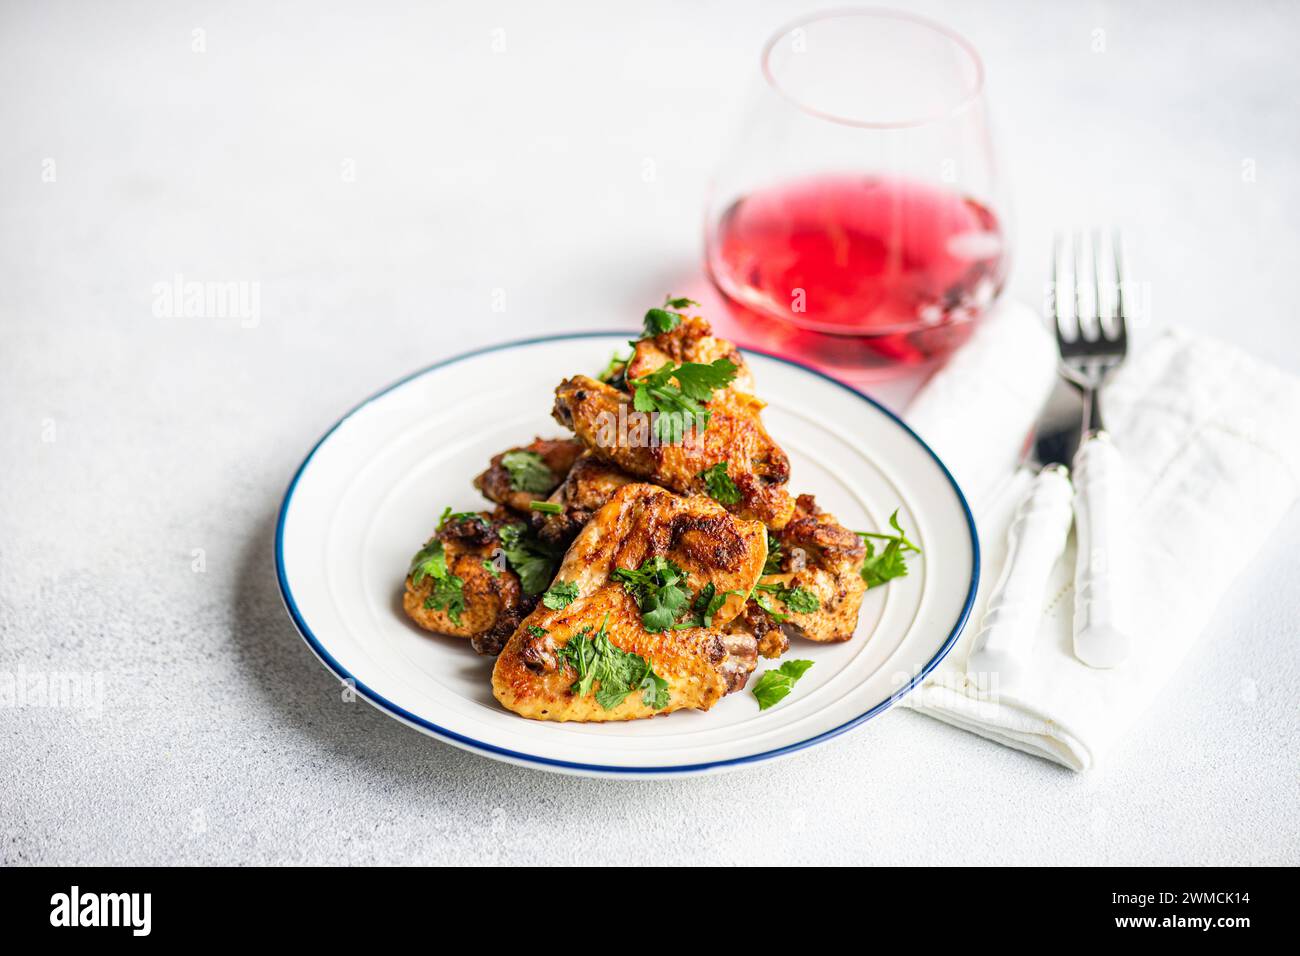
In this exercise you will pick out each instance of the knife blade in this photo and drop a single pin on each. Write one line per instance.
(1035, 541)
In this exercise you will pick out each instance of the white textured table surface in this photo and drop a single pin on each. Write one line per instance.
(128, 441)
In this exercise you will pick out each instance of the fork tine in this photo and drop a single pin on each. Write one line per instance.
(1097, 305)
(1058, 320)
(1121, 320)
(1076, 250)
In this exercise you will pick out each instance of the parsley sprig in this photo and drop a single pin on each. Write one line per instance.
(719, 484)
(448, 591)
(613, 672)
(890, 563)
(774, 686)
(560, 595)
(528, 472)
(679, 404)
(659, 589)
(528, 557)
(659, 321)
(797, 599)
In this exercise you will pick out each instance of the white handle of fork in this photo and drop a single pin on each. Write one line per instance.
(1034, 543)
(1100, 637)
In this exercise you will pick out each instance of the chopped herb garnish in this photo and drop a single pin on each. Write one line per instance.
(775, 686)
(546, 507)
(706, 604)
(448, 516)
(797, 599)
(560, 595)
(429, 562)
(659, 321)
(772, 612)
(448, 590)
(615, 369)
(721, 488)
(536, 631)
(774, 555)
(679, 404)
(659, 589)
(448, 595)
(528, 472)
(490, 565)
(533, 561)
(890, 563)
(596, 661)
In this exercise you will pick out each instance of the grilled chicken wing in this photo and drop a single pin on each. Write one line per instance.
(589, 484)
(605, 422)
(468, 589)
(528, 484)
(536, 675)
(819, 556)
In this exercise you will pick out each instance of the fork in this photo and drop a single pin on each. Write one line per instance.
(1091, 348)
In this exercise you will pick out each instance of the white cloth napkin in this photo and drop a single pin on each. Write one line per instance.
(1211, 445)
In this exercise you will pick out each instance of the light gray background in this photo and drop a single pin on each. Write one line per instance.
(130, 440)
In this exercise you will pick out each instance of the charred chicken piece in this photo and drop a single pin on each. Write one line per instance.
(606, 422)
(518, 477)
(477, 577)
(604, 644)
(589, 484)
(814, 558)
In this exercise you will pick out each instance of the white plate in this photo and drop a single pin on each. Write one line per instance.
(370, 492)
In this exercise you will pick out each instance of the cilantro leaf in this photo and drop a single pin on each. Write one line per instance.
(448, 516)
(797, 599)
(619, 673)
(659, 589)
(616, 369)
(448, 591)
(533, 561)
(528, 472)
(429, 562)
(659, 321)
(536, 631)
(775, 686)
(678, 404)
(890, 563)
(560, 595)
(721, 488)
(448, 595)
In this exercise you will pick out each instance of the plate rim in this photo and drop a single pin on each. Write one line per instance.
(548, 763)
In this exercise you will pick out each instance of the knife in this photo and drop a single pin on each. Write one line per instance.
(1035, 542)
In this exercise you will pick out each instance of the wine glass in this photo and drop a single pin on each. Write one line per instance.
(857, 220)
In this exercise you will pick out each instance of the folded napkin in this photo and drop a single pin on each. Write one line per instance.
(1210, 440)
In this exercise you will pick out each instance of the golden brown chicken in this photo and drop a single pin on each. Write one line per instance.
(754, 469)
(519, 476)
(813, 587)
(588, 485)
(632, 626)
(477, 577)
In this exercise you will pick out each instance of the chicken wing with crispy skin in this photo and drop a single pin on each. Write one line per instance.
(585, 489)
(817, 555)
(539, 675)
(607, 423)
(539, 468)
(462, 585)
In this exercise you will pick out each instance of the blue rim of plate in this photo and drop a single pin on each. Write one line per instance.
(478, 746)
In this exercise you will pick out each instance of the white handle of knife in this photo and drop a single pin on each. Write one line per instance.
(1035, 541)
(1100, 638)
